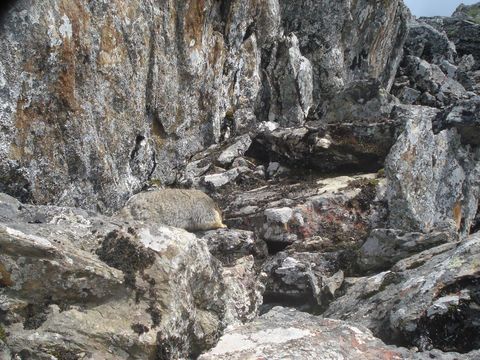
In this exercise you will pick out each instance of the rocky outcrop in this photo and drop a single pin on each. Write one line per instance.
(99, 99)
(78, 284)
(287, 333)
(432, 179)
(438, 302)
(346, 171)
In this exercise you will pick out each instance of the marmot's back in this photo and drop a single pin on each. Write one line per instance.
(191, 210)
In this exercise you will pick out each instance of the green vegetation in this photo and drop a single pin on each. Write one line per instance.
(3, 334)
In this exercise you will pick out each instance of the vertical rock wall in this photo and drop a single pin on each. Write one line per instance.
(98, 98)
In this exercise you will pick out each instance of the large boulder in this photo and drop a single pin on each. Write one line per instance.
(430, 300)
(432, 178)
(286, 333)
(428, 43)
(81, 284)
(347, 41)
(463, 116)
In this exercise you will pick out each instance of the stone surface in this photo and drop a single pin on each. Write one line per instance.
(427, 43)
(229, 245)
(237, 149)
(284, 333)
(432, 179)
(99, 99)
(302, 279)
(335, 210)
(465, 117)
(78, 283)
(385, 247)
(407, 305)
(347, 172)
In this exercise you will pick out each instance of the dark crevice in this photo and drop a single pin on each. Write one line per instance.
(476, 222)
(274, 247)
(251, 29)
(5, 7)
(138, 145)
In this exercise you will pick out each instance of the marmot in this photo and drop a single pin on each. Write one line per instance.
(191, 210)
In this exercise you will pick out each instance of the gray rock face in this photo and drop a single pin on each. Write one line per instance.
(347, 41)
(427, 43)
(438, 302)
(98, 99)
(292, 78)
(432, 179)
(285, 333)
(465, 118)
(93, 287)
(281, 112)
(385, 247)
(307, 280)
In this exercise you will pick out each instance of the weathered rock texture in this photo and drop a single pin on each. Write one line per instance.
(285, 333)
(78, 284)
(97, 98)
(338, 138)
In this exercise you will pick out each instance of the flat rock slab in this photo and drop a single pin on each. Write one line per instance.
(289, 334)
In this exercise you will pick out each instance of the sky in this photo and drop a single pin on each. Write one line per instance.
(435, 7)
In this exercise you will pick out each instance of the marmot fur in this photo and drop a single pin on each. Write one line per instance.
(191, 210)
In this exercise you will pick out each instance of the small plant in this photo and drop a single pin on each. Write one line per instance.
(3, 334)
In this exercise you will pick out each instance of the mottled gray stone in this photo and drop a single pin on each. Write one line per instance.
(287, 333)
(398, 306)
(385, 247)
(432, 179)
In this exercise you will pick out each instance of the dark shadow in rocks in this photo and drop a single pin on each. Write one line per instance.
(458, 329)
(274, 247)
(302, 303)
(5, 7)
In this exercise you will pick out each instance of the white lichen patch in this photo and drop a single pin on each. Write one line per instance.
(239, 342)
(66, 30)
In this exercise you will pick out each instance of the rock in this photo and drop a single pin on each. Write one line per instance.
(463, 116)
(341, 46)
(187, 209)
(408, 95)
(217, 181)
(229, 245)
(462, 32)
(439, 89)
(385, 247)
(307, 281)
(431, 178)
(81, 283)
(429, 44)
(244, 290)
(338, 210)
(408, 306)
(110, 104)
(360, 103)
(292, 84)
(289, 333)
(235, 150)
(468, 12)
(346, 147)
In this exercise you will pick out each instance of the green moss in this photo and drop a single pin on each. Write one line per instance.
(155, 183)
(230, 114)
(3, 334)
(381, 173)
